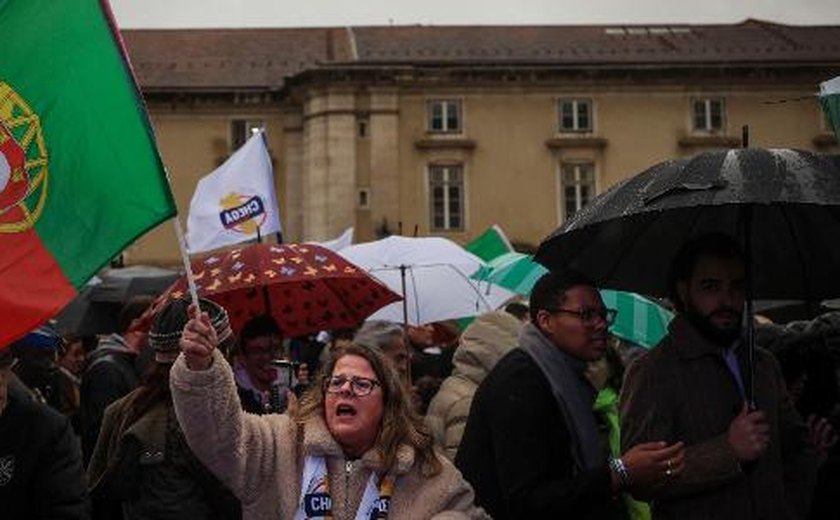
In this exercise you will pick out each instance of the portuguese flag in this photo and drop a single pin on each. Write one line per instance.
(80, 175)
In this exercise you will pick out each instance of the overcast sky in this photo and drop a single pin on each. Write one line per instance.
(309, 13)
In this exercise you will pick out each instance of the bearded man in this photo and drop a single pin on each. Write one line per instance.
(740, 462)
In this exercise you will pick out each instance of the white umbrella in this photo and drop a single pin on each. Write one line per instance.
(432, 274)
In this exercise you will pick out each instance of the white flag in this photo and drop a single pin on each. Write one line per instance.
(337, 244)
(234, 200)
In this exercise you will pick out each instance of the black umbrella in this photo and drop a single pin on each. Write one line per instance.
(782, 205)
(97, 307)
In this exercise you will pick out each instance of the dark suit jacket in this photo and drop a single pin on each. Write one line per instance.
(516, 451)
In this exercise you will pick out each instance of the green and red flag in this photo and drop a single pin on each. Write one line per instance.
(80, 174)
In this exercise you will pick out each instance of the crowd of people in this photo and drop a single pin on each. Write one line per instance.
(533, 410)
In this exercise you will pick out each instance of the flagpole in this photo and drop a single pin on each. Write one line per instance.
(266, 296)
(185, 257)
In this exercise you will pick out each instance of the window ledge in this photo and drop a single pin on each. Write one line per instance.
(824, 139)
(451, 232)
(445, 143)
(710, 140)
(576, 142)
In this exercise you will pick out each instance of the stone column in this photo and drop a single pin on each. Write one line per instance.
(384, 157)
(329, 181)
(292, 199)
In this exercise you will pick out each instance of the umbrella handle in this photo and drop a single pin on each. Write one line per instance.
(750, 332)
(750, 390)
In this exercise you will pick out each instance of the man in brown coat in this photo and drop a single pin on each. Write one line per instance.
(739, 464)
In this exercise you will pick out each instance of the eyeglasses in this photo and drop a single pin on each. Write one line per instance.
(588, 315)
(360, 386)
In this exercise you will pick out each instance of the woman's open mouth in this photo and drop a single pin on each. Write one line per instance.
(345, 410)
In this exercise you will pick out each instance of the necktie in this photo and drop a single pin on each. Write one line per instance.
(732, 364)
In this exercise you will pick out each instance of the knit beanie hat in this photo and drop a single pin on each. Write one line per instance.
(168, 326)
(44, 337)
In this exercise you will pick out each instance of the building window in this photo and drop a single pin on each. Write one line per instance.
(242, 129)
(362, 126)
(708, 114)
(577, 185)
(444, 116)
(446, 197)
(575, 115)
(363, 201)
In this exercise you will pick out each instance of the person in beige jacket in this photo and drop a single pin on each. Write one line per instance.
(483, 344)
(352, 449)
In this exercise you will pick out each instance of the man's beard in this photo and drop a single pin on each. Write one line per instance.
(706, 327)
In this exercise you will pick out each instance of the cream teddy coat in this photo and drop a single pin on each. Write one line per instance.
(261, 458)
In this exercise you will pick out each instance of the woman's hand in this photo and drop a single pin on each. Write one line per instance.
(198, 340)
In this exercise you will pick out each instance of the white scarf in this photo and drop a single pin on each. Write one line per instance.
(316, 501)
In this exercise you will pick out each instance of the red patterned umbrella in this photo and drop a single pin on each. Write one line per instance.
(305, 287)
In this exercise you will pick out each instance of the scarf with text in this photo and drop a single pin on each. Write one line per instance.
(316, 501)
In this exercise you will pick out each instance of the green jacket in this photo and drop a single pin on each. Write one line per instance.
(606, 404)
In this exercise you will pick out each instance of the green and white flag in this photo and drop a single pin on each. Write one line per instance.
(490, 244)
(830, 99)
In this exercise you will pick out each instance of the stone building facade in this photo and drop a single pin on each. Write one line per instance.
(445, 131)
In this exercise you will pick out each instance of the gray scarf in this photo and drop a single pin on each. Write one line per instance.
(573, 392)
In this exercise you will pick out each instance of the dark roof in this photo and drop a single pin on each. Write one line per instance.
(263, 58)
(228, 58)
(749, 41)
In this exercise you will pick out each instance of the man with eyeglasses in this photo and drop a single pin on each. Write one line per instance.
(533, 446)
(263, 386)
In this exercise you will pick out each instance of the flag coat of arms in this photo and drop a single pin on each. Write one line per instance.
(80, 175)
(235, 201)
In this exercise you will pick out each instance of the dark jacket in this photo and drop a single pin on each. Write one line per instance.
(148, 469)
(812, 349)
(516, 451)
(682, 390)
(41, 474)
(111, 374)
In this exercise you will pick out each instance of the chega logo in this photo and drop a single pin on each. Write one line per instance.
(380, 508)
(23, 163)
(242, 213)
(317, 505)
